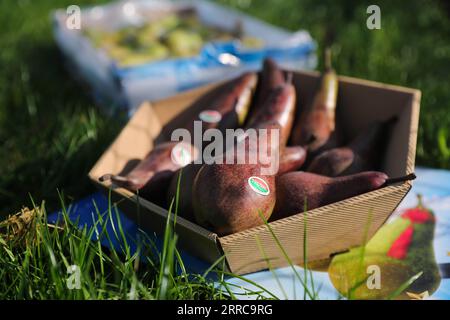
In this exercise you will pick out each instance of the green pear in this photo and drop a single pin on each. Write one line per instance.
(401, 250)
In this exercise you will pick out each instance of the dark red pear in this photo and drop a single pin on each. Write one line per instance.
(364, 153)
(275, 113)
(278, 108)
(333, 162)
(292, 159)
(225, 107)
(227, 200)
(235, 104)
(231, 197)
(183, 182)
(152, 175)
(271, 77)
(317, 121)
(295, 189)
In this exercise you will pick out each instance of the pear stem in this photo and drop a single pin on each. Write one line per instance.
(105, 177)
(327, 59)
(109, 176)
(419, 201)
(392, 181)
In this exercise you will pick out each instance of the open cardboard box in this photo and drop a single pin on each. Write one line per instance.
(330, 229)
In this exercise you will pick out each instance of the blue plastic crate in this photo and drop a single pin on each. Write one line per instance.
(127, 87)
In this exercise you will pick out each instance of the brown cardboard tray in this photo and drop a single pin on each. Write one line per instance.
(330, 229)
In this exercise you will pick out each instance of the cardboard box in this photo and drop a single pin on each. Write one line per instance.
(330, 229)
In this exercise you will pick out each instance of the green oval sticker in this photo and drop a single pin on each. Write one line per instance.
(259, 185)
(180, 155)
(210, 116)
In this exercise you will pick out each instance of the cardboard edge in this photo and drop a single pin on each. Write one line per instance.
(414, 129)
(91, 173)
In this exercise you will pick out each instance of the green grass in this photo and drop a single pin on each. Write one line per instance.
(35, 261)
(35, 258)
(34, 265)
(51, 133)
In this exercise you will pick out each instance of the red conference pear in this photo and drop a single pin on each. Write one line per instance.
(270, 78)
(224, 107)
(152, 175)
(316, 125)
(292, 159)
(229, 198)
(364, 153)
(297, 189)
(182, 182)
